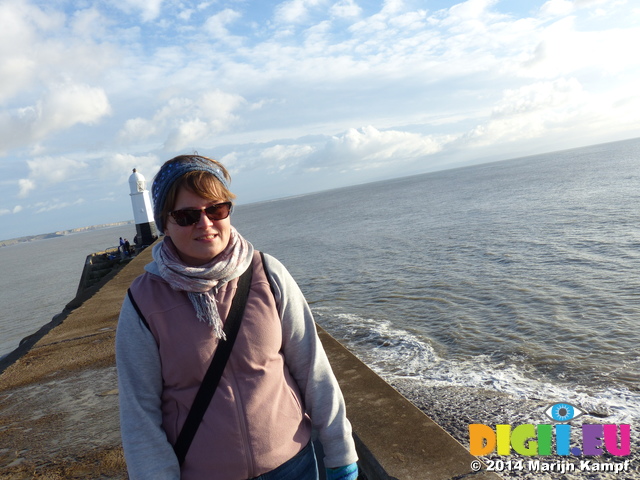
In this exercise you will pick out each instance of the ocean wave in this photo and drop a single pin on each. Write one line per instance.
(394, 353)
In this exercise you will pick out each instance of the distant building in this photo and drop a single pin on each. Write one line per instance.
(146, 231)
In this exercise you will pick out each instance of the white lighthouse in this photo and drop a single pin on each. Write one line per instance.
(142, 210)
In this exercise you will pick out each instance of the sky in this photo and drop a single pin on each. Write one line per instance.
(295, 96)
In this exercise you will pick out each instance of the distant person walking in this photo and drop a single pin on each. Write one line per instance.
(277, 383)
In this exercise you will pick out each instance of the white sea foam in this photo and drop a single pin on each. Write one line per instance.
(394, 352)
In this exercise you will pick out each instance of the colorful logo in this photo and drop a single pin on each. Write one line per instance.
(531, 440)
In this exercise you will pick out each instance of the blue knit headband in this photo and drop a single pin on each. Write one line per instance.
(172, 171)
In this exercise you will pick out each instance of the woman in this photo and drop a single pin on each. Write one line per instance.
(277, 384)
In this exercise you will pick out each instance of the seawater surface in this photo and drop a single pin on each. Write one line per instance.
(38, 278)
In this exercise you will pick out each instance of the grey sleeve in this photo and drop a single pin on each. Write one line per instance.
(308, 363)
(148, 453)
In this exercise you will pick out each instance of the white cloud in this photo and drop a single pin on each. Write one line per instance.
(555, 8)
(529, 111)
(391, 7)
(44, 47)
(186, 14)
(280, 157)
(564, 50)
(54, 169)
(69, 104)
(18, 24)
(183, 122)
(218, 108)
(230, 160)
(354, 150)
(50, 170)
(56, 204)
(187, 134)
(7, 211)
(137, 129)
(369, 147)
(345, 9)
(295, 11)
(410, 21)
(539, 96)
(25, 185)
(89, 23)
(149, 9)
(470, 10)
(16, 72)
(61, 108)
(216, 25)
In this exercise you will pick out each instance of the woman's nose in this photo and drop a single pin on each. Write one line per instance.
(204, 220)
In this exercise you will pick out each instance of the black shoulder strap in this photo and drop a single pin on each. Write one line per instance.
(135, 305)
(214, 373)
(267, 274)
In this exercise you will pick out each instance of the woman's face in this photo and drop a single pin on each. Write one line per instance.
(197, 244)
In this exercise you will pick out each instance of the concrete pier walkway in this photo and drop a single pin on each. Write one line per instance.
(59, 406)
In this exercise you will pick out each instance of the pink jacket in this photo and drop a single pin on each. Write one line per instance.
(256, 419)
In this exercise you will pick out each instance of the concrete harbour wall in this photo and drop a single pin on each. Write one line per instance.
(59, 406)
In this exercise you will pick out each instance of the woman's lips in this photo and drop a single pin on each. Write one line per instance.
(206, 238)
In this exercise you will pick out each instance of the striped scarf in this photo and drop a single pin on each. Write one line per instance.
(201, 283)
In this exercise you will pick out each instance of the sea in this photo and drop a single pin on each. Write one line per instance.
(519, 278)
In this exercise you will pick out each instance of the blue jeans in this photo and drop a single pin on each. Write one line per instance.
(301, 467)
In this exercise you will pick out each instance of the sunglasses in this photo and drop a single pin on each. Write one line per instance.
(188, 216)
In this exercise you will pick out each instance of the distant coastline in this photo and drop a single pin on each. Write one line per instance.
(61, 233)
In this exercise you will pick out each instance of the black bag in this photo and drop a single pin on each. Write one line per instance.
(214, 373)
